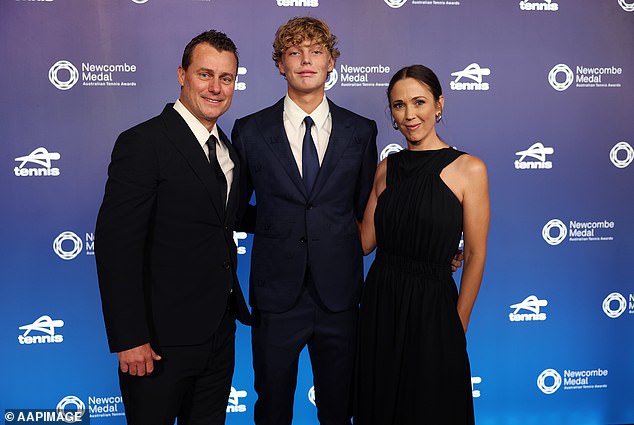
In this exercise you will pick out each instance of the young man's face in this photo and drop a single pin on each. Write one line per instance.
(306, 67)
(208, 83)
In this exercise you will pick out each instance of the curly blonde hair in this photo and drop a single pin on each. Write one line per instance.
(297, 30)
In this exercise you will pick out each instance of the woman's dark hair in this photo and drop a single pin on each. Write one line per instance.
(420, 73)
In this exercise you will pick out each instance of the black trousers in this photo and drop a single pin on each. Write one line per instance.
(190, 383)
(278, 339)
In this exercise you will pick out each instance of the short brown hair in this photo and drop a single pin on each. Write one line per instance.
(295, 31)
(218, 40)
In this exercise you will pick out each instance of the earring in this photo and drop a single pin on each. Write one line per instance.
(394, 126)
(438, 116)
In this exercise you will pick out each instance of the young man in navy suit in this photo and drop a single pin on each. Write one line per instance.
(166, 259)
(312, 178)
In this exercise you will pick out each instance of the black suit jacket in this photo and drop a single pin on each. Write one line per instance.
(166, 258)
(294, 229)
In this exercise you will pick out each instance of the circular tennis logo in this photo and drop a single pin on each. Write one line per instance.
(64, 67)
(549, 381)
(390, 149)
(628, 7)
(311, 395)
(333, 76)
(67, 401)
(629, 154)
(67, 254)
(620, 308)
(395, 4)
(554, 73)
(559, 226)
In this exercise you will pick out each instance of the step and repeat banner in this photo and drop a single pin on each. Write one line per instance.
(541, 90)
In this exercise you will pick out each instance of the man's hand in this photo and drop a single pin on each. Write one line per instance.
(456, 263)
(138, 361)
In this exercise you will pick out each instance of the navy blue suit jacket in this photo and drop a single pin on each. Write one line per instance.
(294, 229)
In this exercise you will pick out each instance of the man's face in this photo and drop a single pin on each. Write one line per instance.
(208, 83)
(306, 67)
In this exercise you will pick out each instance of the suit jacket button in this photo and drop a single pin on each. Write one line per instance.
(302, 239)
(226, 265)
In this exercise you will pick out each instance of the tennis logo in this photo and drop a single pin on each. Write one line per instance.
(554, 77)
(390, 149)
(554, 232)
(537, 151)
(531, 304)
(546, 5)
(69, 75)
(40, 156)
(240, 85)
(628, 7)
(549, 381)
(233, 404)
(395, 4)
(615, 304)
(62, 249)
(333, 76)
(474, 73)
(584, 76)
(239, 236)
(475, 393)
(622, 154)
(75, 414)
(68, 245)
(63, 75)
(44, 326)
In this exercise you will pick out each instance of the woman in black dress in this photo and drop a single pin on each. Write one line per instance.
(412, 365)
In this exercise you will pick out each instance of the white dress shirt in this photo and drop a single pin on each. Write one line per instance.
(202, 135)
(295, 128)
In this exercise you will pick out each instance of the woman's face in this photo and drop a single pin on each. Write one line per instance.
(414, 110)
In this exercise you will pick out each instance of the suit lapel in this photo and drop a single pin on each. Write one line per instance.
(185, 142)
(340, 136)
(271, 125)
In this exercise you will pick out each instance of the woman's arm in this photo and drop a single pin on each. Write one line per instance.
(366, 227)
(476, 217)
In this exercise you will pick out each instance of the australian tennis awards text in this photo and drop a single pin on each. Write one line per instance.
(587, 229)
(576, 379)
(587, 75)
(105, 406)
(104, 74)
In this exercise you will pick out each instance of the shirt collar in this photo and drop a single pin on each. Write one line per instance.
(296, 115)
(200, 131)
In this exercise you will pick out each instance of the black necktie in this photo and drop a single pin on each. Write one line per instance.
(215, 166)
(310, 160)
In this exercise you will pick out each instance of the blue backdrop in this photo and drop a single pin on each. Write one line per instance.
(541, 90)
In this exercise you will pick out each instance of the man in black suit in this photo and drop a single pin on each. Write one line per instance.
(166, 258)
(312, 178)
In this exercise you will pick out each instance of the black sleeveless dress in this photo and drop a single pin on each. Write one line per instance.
(412, 364)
